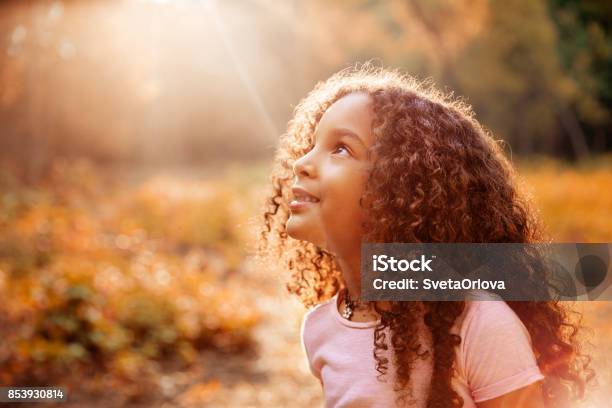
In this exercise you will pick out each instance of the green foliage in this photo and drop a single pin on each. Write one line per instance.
(585, 51)
(514, 61)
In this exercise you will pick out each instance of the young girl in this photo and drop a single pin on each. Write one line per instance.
(373, 156)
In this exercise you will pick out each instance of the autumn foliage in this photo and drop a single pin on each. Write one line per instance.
(100, 278)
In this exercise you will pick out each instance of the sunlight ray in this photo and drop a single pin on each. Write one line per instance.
(243, 74)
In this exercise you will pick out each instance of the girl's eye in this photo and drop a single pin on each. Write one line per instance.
(342, 149)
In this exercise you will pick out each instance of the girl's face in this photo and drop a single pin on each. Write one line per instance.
(329, 182)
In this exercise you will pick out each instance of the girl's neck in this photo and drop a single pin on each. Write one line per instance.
(351, 274)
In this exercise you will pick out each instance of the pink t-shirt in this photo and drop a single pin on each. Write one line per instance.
(494, 358)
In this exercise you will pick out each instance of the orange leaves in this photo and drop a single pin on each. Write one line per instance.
(574, 203)
(200, 393)
(119, 279)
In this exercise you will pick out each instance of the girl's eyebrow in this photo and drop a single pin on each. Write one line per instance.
(342, 132)
(349, 133)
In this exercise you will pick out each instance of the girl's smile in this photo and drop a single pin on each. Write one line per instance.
(302, 199)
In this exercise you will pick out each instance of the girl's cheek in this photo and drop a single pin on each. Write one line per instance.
(340, 205)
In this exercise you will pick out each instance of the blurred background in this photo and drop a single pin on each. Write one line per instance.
(135, 143)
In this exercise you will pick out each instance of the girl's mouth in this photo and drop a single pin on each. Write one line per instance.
(302, 199)
(296, 205)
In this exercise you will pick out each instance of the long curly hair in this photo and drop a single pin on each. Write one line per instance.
(439, 176)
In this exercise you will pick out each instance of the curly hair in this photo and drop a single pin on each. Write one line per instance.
(438, 176)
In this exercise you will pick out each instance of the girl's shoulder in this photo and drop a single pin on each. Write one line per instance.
(319, 311)
(316, 324)
(489, 315)
(495, 355)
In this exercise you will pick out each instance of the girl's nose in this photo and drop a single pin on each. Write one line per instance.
(303, 167)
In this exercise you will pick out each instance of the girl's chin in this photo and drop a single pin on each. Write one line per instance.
(298, 228)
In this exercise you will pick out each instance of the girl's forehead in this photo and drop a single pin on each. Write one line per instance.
(354, 101)
(353, 111)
